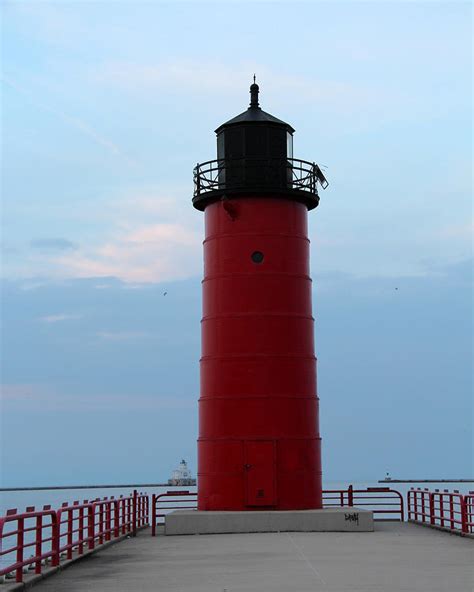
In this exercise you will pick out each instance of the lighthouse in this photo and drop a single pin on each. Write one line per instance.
(259, 446)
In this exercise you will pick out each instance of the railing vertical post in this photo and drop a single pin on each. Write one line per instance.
(101, 524)
(153, 515)
(56, 536)
(432, 508)
(451, 511)
(350, 495)
(108, 521)
(91, 526)
(464, 525)
(124, 512)
(441, 508)
(69, 531)
(134, 515)
(38, 541)
(80, 548)
(116, 518)
(19, 550)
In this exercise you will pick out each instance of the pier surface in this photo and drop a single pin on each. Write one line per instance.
(396, 557)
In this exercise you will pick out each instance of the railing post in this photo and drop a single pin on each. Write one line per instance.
(441, 508)
(19, 550)
(116, 518)
(38, 541)
(69, 531)
(464, 525)
(56, 536)
(134, 516)
(153, 515)
(432, 508)
(108, 520)
(350, 495)
(91, 526)
(80, 548)
(451, 511)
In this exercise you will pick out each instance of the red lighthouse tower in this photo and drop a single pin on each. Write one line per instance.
(259, 444)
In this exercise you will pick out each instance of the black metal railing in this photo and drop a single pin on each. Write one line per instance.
(269, 174)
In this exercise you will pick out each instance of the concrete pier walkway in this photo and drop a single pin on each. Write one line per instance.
(395, 558)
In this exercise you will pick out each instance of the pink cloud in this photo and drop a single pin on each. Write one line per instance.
(148, 253)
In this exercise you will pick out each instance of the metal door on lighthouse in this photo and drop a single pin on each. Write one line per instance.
(260, 474)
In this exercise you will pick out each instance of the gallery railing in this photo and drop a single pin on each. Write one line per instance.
(257, 174)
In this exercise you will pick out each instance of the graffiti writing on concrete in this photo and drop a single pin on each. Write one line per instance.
(352, 517)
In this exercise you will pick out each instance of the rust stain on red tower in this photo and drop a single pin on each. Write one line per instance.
(259, 445)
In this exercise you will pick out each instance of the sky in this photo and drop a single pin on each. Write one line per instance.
(107, 107)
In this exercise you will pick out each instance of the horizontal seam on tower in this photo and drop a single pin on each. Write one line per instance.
(238, 397)
(241, 438)
(260, 273)
(252, 356)
(257, 234)
(257, 314)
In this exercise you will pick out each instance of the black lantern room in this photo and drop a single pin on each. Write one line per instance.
(255, 155)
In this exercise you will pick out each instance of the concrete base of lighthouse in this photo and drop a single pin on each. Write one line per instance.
(326, 520)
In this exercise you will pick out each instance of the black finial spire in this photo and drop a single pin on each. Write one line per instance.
(254, 90)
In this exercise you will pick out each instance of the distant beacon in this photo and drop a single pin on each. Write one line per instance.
(259, 445)
(182, 475)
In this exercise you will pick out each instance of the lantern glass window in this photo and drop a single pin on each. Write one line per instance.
(289, 145)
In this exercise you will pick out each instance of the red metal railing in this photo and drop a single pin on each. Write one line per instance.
(448, 510)
(75, 527)
(419, 505)
(163, 503)
(469, 499)
(43, 524)
(56, 534)
(382, 501)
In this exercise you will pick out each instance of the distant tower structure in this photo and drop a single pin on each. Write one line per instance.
(259, 444)
(182, 475)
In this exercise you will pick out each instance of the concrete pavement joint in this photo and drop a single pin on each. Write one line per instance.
(308, 562)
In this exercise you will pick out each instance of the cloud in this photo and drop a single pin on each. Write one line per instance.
(58, 244)
(458, 231)
(76, 122)
(148, 253)
(148, 234)
(17, 392)
(57, 318)
(123, 335)
(45, 398)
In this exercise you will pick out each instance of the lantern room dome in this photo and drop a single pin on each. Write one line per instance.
(254, 115)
